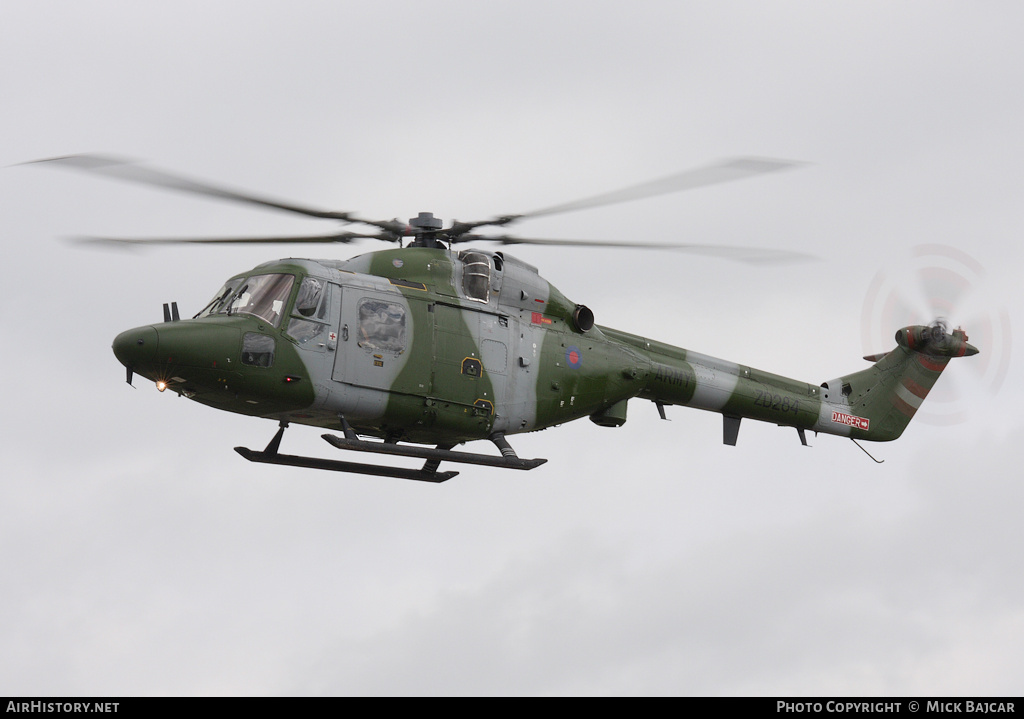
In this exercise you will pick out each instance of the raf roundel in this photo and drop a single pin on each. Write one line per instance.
(573, 357)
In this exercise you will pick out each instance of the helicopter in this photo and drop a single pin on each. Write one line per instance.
(413, 351)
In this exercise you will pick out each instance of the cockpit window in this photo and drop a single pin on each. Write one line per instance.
(476, 275)
(219, 301)
(304, 331)
(313, 301)
(263, 296)
(257, 350)
(308, 300)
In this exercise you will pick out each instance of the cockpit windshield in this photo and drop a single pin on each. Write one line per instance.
(219, 301)
(263, 296)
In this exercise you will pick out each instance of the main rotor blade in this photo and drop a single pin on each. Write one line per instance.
(342, 237)
(724, 171)
(755, 255)
(130, 171)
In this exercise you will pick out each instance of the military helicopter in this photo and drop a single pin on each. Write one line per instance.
(425, 347)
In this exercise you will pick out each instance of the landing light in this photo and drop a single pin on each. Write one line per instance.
(161, 385)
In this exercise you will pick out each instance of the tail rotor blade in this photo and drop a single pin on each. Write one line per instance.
(941, 283)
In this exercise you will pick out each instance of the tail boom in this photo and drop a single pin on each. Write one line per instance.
(875, 404)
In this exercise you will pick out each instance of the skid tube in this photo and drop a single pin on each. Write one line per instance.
(271, 456)
(508, 459)
(428, 473)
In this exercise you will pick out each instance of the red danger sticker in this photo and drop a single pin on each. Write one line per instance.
(850, 420)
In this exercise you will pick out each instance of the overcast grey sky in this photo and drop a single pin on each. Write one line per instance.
(140, 555)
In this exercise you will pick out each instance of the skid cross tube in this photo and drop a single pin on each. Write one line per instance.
(506, 461)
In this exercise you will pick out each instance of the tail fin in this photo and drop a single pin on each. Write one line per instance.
(883, 399)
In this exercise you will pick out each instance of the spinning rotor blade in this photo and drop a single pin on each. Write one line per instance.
(944, 285)
(725, 171)
(717, 173)
(426, 231)
(730, 252)
(341, 237)
(131, 171)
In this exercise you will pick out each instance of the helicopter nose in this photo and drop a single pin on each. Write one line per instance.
(136, 347)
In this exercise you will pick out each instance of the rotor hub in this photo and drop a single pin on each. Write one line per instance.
(426, 222)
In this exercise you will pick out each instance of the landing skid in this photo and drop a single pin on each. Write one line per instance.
(439, 454)
(428, 473)
(335, 465)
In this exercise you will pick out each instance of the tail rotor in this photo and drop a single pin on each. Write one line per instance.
(947, 290)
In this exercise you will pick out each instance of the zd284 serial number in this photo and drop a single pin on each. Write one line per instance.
(776, 402)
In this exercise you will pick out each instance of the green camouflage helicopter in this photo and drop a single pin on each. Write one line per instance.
(426, 347)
